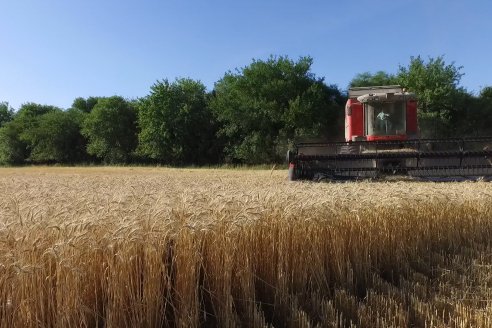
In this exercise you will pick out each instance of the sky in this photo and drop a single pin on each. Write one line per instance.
(53, 51)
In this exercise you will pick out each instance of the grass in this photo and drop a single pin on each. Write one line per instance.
(159, 247)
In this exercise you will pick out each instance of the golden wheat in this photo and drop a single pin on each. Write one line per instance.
(151, 247)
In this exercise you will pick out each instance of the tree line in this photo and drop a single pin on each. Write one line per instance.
(253, 115)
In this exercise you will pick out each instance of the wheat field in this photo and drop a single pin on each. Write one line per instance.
(158, 247)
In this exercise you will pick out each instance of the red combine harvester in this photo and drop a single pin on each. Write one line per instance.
(381, 138)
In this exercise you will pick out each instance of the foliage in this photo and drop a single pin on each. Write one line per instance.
(476, 114)
(263, 107)
(29, 111)
(368, 79)
(437, 87)
(85, 105)
(486, 93)
(15, 141)
(111, 130)
(176, 126)
(28, 114)
(55, 138)
(6, 113)
(253, 115)
(13, 150)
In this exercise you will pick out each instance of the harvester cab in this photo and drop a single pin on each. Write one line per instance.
(380, 113)
(381, 138)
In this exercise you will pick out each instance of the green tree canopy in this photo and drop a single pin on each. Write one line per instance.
(111, 129)
(368, 79)
(486, 93)
(15, 141)
(263, 107)
(55, 138)
(85, 105)
(31, 110)
(175, 123)
(28, 114)
(6, 113)
(436, 85)
(476, 114)
(12, 149)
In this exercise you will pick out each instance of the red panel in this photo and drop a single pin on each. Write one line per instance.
(354, 119)
(357, 119)
(412, 118)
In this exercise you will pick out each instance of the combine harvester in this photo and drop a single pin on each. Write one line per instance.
(381, 139)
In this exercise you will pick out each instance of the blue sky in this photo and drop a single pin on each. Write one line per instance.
(53, 51)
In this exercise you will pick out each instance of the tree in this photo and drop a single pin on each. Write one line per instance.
(55, 138)
(476, 118)
(367, 79)
(15, 145)
(176, 126)
(32, 110)
(436, 85)
(6, 113)
(85, 105)
(483, 123)
(12, 149)
(486, 93)
(267, 105)
(111, 130)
